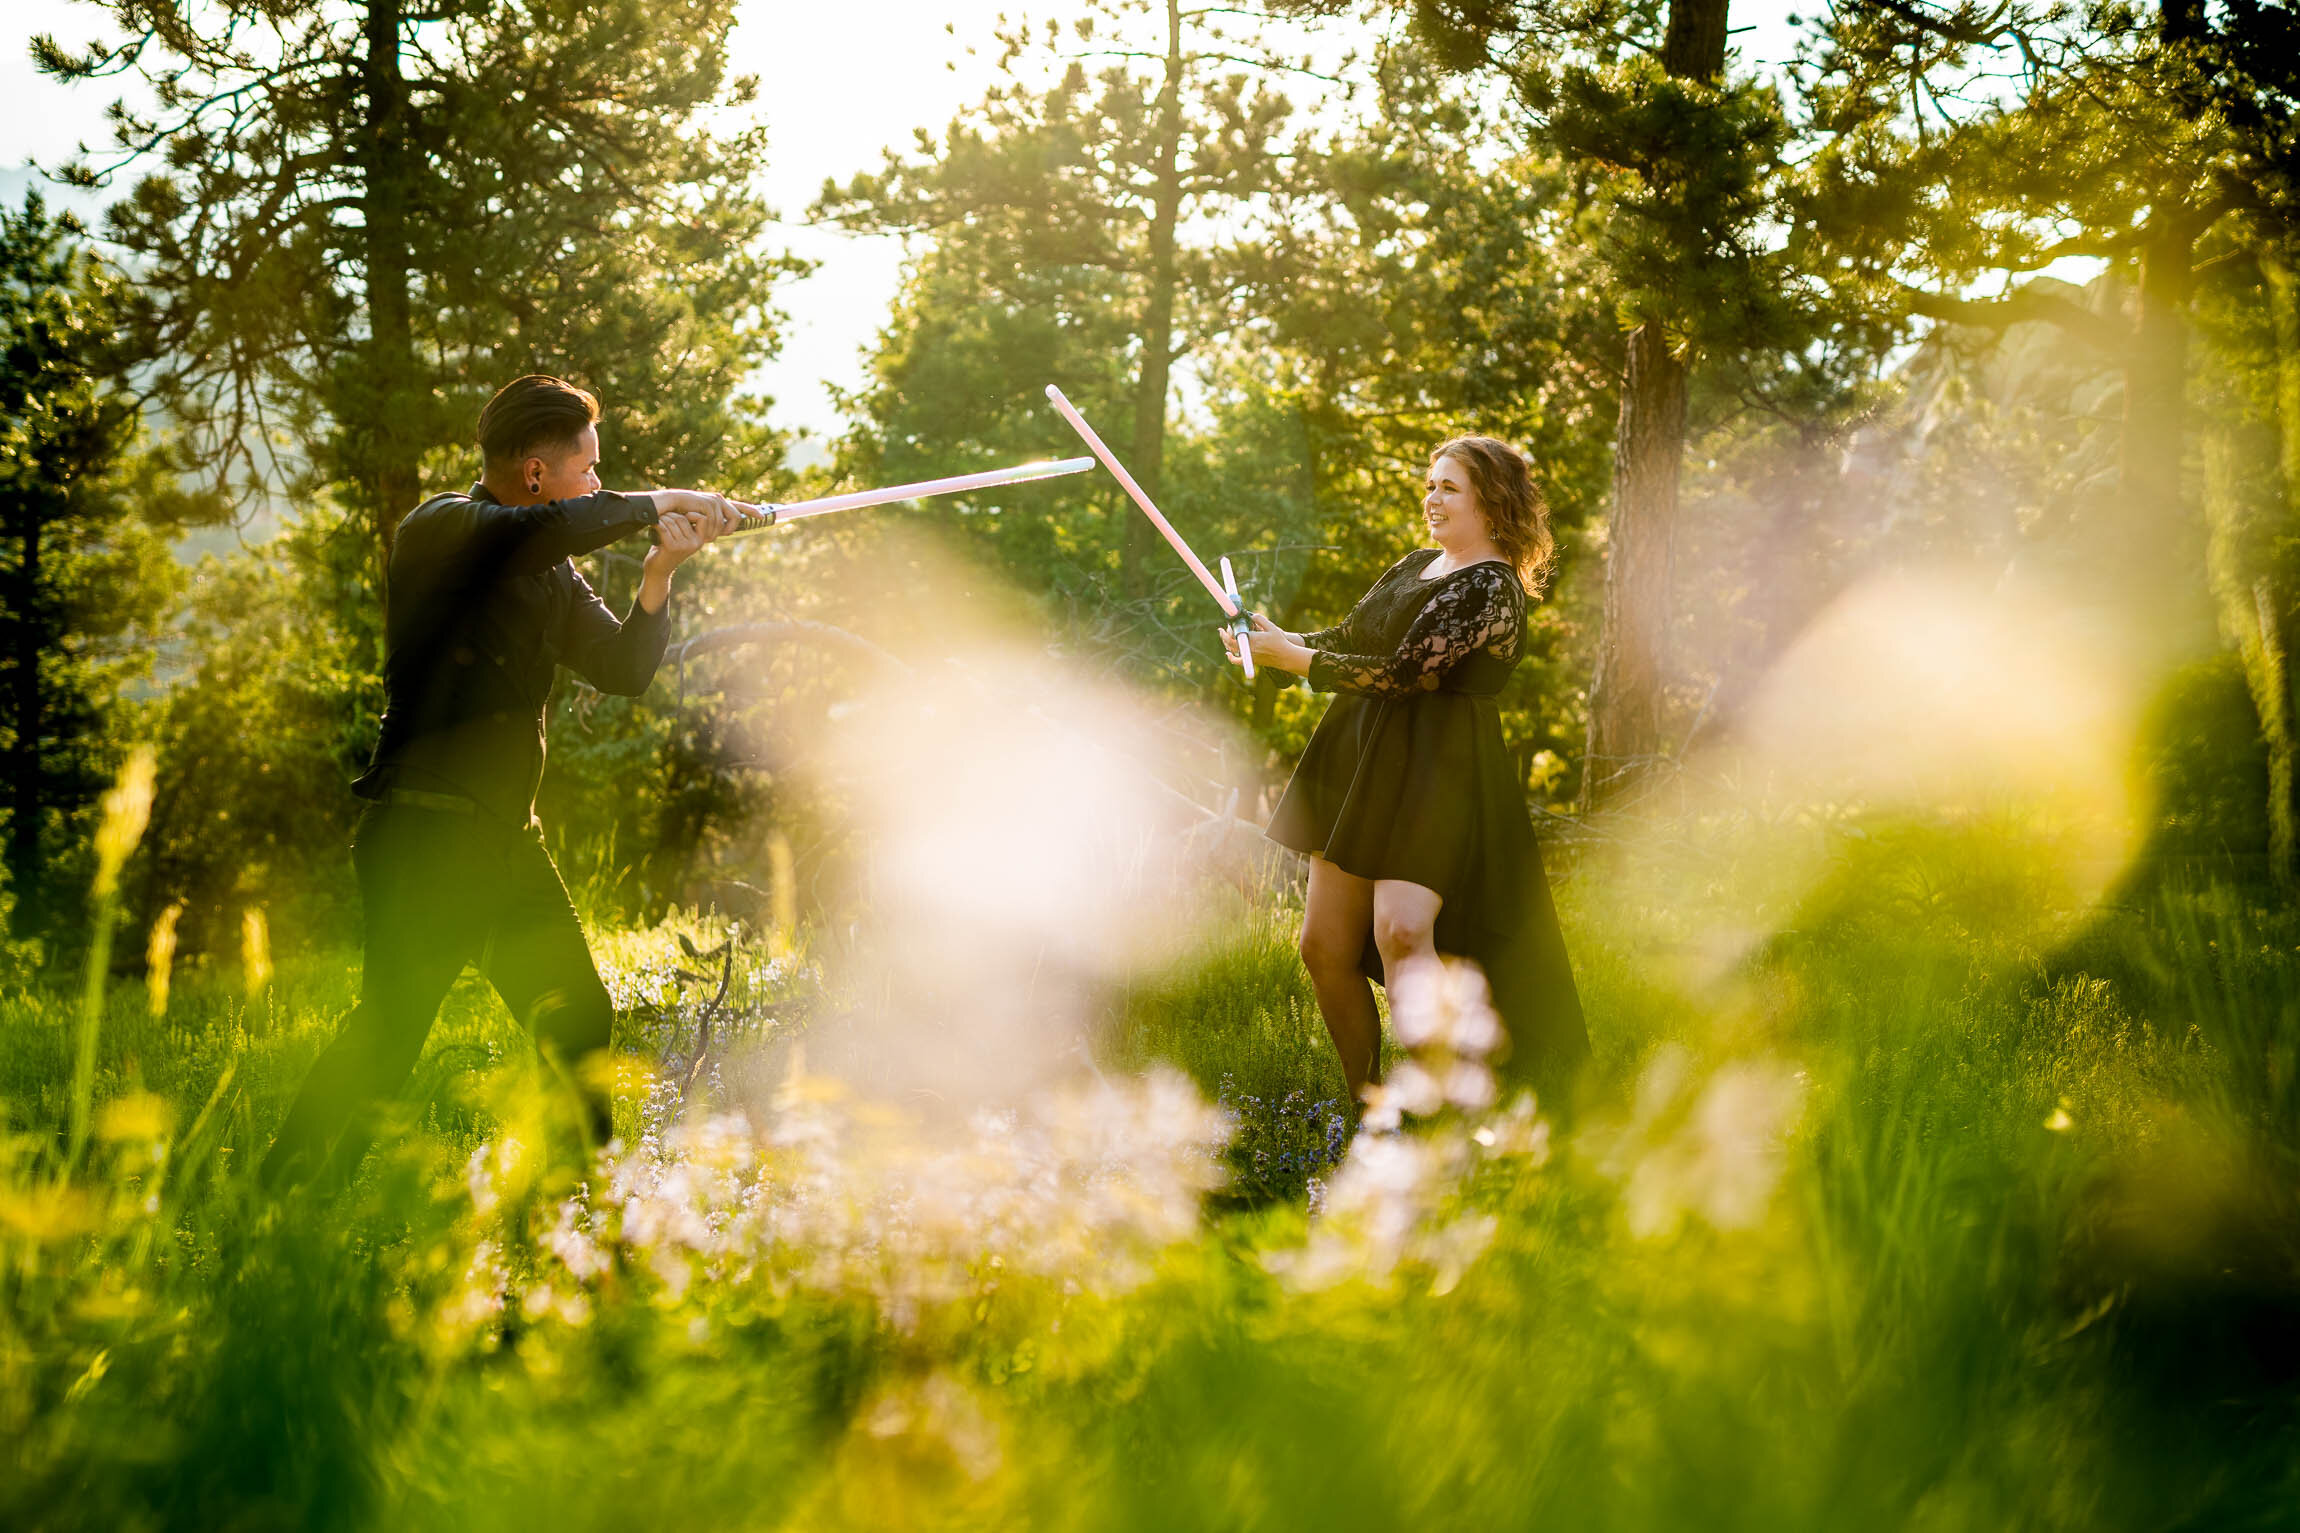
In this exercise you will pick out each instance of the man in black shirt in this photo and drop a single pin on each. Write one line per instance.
(483, 605)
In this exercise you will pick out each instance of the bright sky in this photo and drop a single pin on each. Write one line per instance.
(839, 83)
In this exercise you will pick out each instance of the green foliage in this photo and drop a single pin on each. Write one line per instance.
(2147, 138)
(1071, 235)
(270, 716)
(84, 505)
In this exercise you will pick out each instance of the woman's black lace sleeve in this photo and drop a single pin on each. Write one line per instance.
(1343, 635)
(1482, 610)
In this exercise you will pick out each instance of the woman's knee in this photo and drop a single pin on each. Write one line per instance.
(1399, 935)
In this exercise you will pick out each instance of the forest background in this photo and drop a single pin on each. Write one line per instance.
(1765, 330)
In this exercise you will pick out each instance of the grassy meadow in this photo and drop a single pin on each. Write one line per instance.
(1905, 1216)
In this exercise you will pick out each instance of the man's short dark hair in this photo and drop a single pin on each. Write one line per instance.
(531, 414)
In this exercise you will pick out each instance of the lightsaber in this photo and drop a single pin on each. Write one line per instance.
(757, 518)
(1239, 624)
(1232, 608)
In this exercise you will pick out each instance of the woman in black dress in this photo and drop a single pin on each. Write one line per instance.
(1406, 801)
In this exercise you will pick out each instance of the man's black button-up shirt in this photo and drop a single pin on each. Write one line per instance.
(484, 602)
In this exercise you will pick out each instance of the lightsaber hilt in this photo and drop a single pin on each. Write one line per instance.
(1241, 622)
(754, 518)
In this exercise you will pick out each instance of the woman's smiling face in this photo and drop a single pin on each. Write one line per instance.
(1450, 506)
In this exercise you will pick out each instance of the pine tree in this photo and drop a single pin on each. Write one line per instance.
(2158, 139)
(87, 578)
(356, 221)
(1057, 218)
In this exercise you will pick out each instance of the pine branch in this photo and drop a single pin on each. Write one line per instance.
(2023, 306)
(1954, 27)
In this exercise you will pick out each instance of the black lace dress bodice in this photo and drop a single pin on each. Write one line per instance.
(1407, 777)
(1461, 632)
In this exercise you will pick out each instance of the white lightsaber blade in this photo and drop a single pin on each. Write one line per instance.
(1227, 593)
(757, 517)
(1230, 608)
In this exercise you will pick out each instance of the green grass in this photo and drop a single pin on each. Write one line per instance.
(2029, 1261)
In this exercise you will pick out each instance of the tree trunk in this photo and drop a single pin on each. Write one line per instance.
(1149, 456)
(25, 800)
(1648, 449)
(2156, 394)
(392, 469)
(2273, 695)
(2237, 504)
(1694, 46)
(2272, 596)
(2284, 314)
(1625, 701)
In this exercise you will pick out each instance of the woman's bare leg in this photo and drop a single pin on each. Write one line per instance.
(1335, 920)
(1405, 927)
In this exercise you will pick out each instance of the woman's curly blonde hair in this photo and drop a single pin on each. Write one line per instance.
(1515, 511)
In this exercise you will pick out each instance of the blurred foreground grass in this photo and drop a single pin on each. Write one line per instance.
(1893, 1219)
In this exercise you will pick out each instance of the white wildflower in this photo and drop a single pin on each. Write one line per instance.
(479, 1298)
(1518, 1130)
(1385, 1210)
(1469, 1086)
(490, 1165)
(1417, 1092)
(1393, 1202)
(1713, 1151)
(1082, 1187)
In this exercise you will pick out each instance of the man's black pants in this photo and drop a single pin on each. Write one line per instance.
(442, 889)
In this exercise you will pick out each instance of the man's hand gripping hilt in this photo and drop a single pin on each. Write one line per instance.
(754, 518)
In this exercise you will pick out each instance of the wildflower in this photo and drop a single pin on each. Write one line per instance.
(1445, 1016)
(568, 1307)
(1385, 1210)
(127, 810)
(1447, 1008)
(480, 1298)
(1469, 1086)
(255, 949)
(160, 957)
(490, 1165)
(1392, 1204)
(1518, 1131)
(1713, 1151)
(1080, 1187)
(139, 1118)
